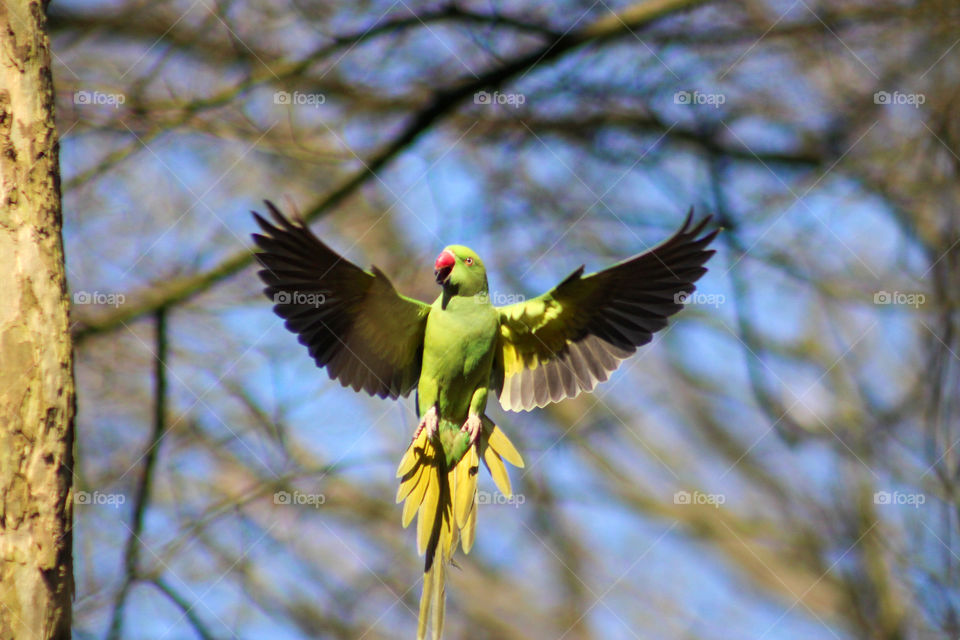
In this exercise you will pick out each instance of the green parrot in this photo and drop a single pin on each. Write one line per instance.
(459, 349)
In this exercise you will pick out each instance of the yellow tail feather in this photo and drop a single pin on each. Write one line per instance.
(415, 498)
(445, 503)
(429, 516)
(464, 497)
(469, 531)
(409, 458)
(500, 443)
(498, 471)
(409, 482)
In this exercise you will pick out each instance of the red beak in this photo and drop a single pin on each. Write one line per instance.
(443, 266)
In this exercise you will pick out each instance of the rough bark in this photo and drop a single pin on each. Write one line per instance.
(36, 368)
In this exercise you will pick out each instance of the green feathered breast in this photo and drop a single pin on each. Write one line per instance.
(454, 441)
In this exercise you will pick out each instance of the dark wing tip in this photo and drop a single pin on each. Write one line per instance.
(274, 211)
(281, 219)
(699, 227)
(262, 242)
(573, 276)
(712, 235)
(264, 225)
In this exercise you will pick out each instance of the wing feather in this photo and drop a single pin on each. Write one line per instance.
(572, 338)
(353, 322)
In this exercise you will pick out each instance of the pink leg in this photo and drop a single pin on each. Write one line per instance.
(473, 425)
(429, 421)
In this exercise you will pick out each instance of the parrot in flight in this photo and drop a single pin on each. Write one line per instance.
(459, 349)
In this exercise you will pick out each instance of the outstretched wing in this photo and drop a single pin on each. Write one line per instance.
(571, 338)
(354, 322)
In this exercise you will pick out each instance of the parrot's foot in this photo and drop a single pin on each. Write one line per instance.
(429, 421)
(472, 426)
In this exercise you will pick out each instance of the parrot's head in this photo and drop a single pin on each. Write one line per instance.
(460, 271)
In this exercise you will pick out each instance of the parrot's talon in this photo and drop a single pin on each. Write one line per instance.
(473, 425)
(430, 422)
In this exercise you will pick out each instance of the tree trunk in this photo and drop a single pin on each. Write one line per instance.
(36, 365)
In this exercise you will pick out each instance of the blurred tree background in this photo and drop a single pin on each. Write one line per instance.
(781, 462)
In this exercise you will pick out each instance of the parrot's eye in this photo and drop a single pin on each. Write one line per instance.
(468, 261)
